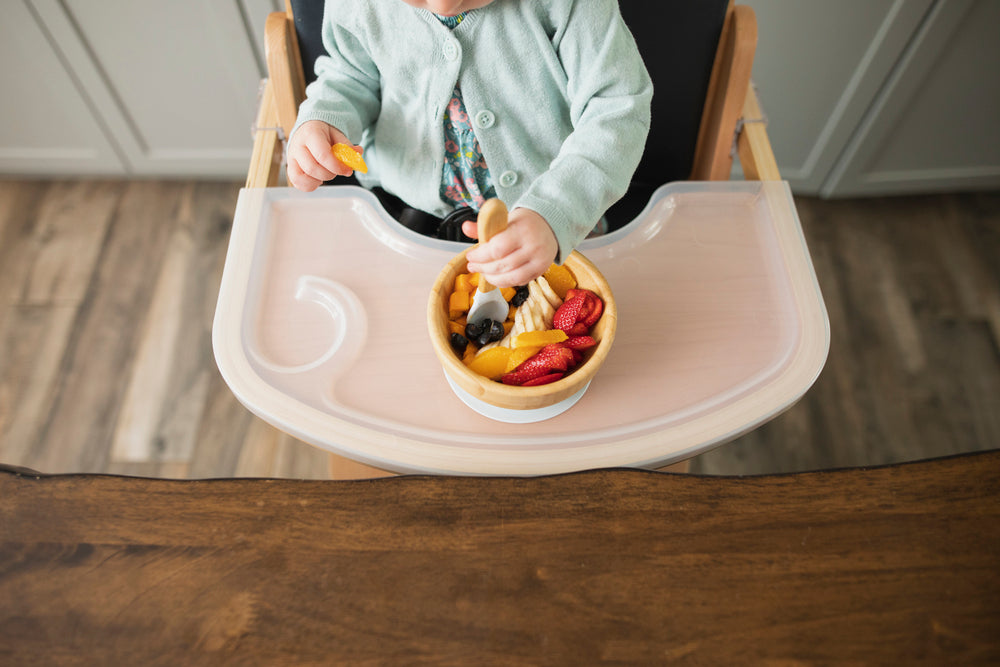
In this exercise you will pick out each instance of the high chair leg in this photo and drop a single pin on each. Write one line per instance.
(680, 467)
(344, 468)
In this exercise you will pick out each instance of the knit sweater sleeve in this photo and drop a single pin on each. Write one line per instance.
(347, 91)
(609, 91)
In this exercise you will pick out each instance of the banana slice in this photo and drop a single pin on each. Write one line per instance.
(550, 294)
(535, 314)
(541, 304)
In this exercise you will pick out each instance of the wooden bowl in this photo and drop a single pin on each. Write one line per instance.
(512, 397)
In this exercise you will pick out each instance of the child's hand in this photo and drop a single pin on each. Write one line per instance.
(516, 256)
(310, 162)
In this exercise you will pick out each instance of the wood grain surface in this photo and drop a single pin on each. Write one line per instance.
(891, 565)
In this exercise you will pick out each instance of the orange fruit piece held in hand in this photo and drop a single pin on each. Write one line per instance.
(349, 157)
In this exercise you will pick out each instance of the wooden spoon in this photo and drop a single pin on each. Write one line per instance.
(488, 303)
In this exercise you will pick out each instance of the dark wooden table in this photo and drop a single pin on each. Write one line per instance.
(891, 565)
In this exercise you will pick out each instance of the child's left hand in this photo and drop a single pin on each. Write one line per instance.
(516, 256)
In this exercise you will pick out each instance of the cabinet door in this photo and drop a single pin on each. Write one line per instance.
(936, 124)
(255, 14)
(175, 81)
(48, 124)
(817, 68)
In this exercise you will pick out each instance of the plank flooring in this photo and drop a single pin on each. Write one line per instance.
(108, 288)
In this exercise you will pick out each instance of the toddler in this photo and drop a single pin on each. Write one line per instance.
(544, 104)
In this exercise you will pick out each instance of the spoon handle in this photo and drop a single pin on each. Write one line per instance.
(491, 221)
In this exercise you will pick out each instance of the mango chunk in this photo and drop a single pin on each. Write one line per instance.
(491, 363)
(561, 279)
(519, 355)
(458, 301)
(463, 283)
(540, 338)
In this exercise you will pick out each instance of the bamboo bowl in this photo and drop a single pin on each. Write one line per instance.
(546, 399)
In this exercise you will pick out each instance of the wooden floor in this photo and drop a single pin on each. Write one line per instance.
(107, 292)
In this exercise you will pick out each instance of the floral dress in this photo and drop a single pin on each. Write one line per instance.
(465, 180)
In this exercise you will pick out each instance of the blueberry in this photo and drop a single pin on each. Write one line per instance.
(520, 296)
(474, 331)
(496, 331)
(491, 331)
(458, 342)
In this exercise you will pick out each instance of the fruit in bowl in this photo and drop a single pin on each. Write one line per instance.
(558, 333)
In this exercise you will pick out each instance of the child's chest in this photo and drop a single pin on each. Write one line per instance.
(489, 46)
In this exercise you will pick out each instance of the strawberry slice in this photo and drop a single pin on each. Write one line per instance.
(578, 329)
(549, 359)
(545, 379)
(594, 313)
(591, 309)
(521, 375)
(568, 313)
(557, 357)
(579, 342)
(588, 307)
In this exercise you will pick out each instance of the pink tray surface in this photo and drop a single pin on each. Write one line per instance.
(321, 330)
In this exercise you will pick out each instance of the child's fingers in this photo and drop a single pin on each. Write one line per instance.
(498, 267)
(299, 179)
(303, 162)
(330, 161)
(509, 272)
(470, 229)
(498, 247)
(517, 255)
(513, 268)
(323, 165)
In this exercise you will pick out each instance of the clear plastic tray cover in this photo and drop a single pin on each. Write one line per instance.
(321, 330)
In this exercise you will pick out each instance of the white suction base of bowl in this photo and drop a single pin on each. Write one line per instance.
(511, 416)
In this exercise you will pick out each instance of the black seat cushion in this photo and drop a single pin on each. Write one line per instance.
(309, 29)
(677, 40)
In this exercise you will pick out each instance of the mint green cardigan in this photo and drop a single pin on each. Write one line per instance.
(556, 91)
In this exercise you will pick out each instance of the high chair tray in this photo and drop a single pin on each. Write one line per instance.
(320, 329)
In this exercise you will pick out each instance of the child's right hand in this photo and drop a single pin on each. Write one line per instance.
(310, 162)
(517, 255)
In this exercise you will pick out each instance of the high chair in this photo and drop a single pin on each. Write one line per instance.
(743, 332)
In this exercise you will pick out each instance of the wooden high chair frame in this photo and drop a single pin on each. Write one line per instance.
(731, 116)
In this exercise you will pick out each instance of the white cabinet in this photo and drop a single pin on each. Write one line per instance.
(935, 123)
(47, 121)
(881, 96)
(150, 88)
(175, 82)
